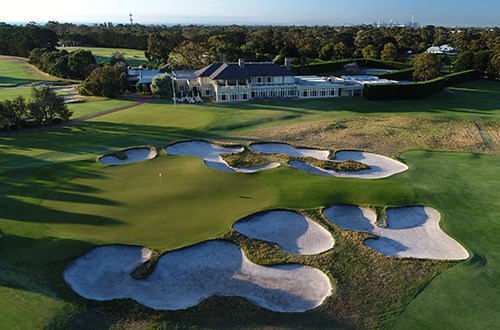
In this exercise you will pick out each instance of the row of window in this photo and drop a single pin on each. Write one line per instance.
(318, 93)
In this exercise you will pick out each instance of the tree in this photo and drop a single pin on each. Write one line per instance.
(327, 52)
(14, 110)
(341, 51)
(390, 52)
(105, 81)
(162, 85)
(78, 61)
(464, 61)
(427, 66)
(495, 64)
(117, 57)
(370, 52)
(47, 106)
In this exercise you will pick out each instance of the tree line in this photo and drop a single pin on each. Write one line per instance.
(43, 108)
(194, 46)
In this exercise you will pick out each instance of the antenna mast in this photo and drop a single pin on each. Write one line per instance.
(131, 19)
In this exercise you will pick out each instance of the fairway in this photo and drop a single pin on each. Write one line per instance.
(16, 70)
(134, 57)
(58, 202)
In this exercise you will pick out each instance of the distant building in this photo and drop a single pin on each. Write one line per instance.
(443, 49)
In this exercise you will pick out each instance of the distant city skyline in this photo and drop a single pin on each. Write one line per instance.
(291, 12)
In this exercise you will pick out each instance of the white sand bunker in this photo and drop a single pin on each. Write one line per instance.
(292, 231)
(380, 166)
(211, 154)
(133, 155)
(411, 232)
(186, 277)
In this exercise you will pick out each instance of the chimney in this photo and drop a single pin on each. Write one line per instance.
(288, 63)
(241, 63)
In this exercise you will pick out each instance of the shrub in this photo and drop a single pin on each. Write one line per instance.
(347, 165)
(247, 158)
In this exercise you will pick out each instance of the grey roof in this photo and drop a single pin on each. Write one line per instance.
(222, 71)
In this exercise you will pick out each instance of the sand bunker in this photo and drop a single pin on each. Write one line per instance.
(133, 155)
(292, 231)
(380, 166)
(211, 154)
(411, 232)
(186, 277)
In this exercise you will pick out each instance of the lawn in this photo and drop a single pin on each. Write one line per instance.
(134, 57)
(16, 70)
(57, 203)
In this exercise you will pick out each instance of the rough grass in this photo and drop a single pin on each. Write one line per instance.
(391, 135)
(246, 158)
(346, 166)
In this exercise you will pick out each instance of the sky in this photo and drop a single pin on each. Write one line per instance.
(291, 12)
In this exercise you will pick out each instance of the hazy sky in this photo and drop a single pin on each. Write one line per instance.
(436, 12)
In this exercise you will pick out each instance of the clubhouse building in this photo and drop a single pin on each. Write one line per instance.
(246, 81)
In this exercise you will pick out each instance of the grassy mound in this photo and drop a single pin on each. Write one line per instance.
(346, 165)
(247, 158)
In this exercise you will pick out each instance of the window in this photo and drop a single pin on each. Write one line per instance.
(234, 96)
(269, 79)
(223, 97)
(314, 93)
(259, 80)
(253, 94)
(332, 92)
(304, 93)
(208, 92)
(323, 92)
(244, 96)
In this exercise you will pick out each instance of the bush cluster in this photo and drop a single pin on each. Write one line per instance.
(45, 107)
(60, 63)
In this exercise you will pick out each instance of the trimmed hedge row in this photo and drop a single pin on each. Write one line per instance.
(413, 91)
(418, 90)
(404, 74)
(323, 68)
(461, 77)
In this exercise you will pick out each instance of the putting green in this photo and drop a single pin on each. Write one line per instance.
(132, 204)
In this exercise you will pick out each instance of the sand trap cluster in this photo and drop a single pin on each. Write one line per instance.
(133, 155)
(211, 154)
(380, 166)
(411, 231)
(293, 232)
(186, 277)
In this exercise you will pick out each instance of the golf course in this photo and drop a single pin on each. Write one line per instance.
(70, 205)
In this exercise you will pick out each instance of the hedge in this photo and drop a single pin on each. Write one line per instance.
(413, 91)
(404, 74)
(461, 77)
(323, 68)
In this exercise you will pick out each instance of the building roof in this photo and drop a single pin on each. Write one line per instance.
(223, 71)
